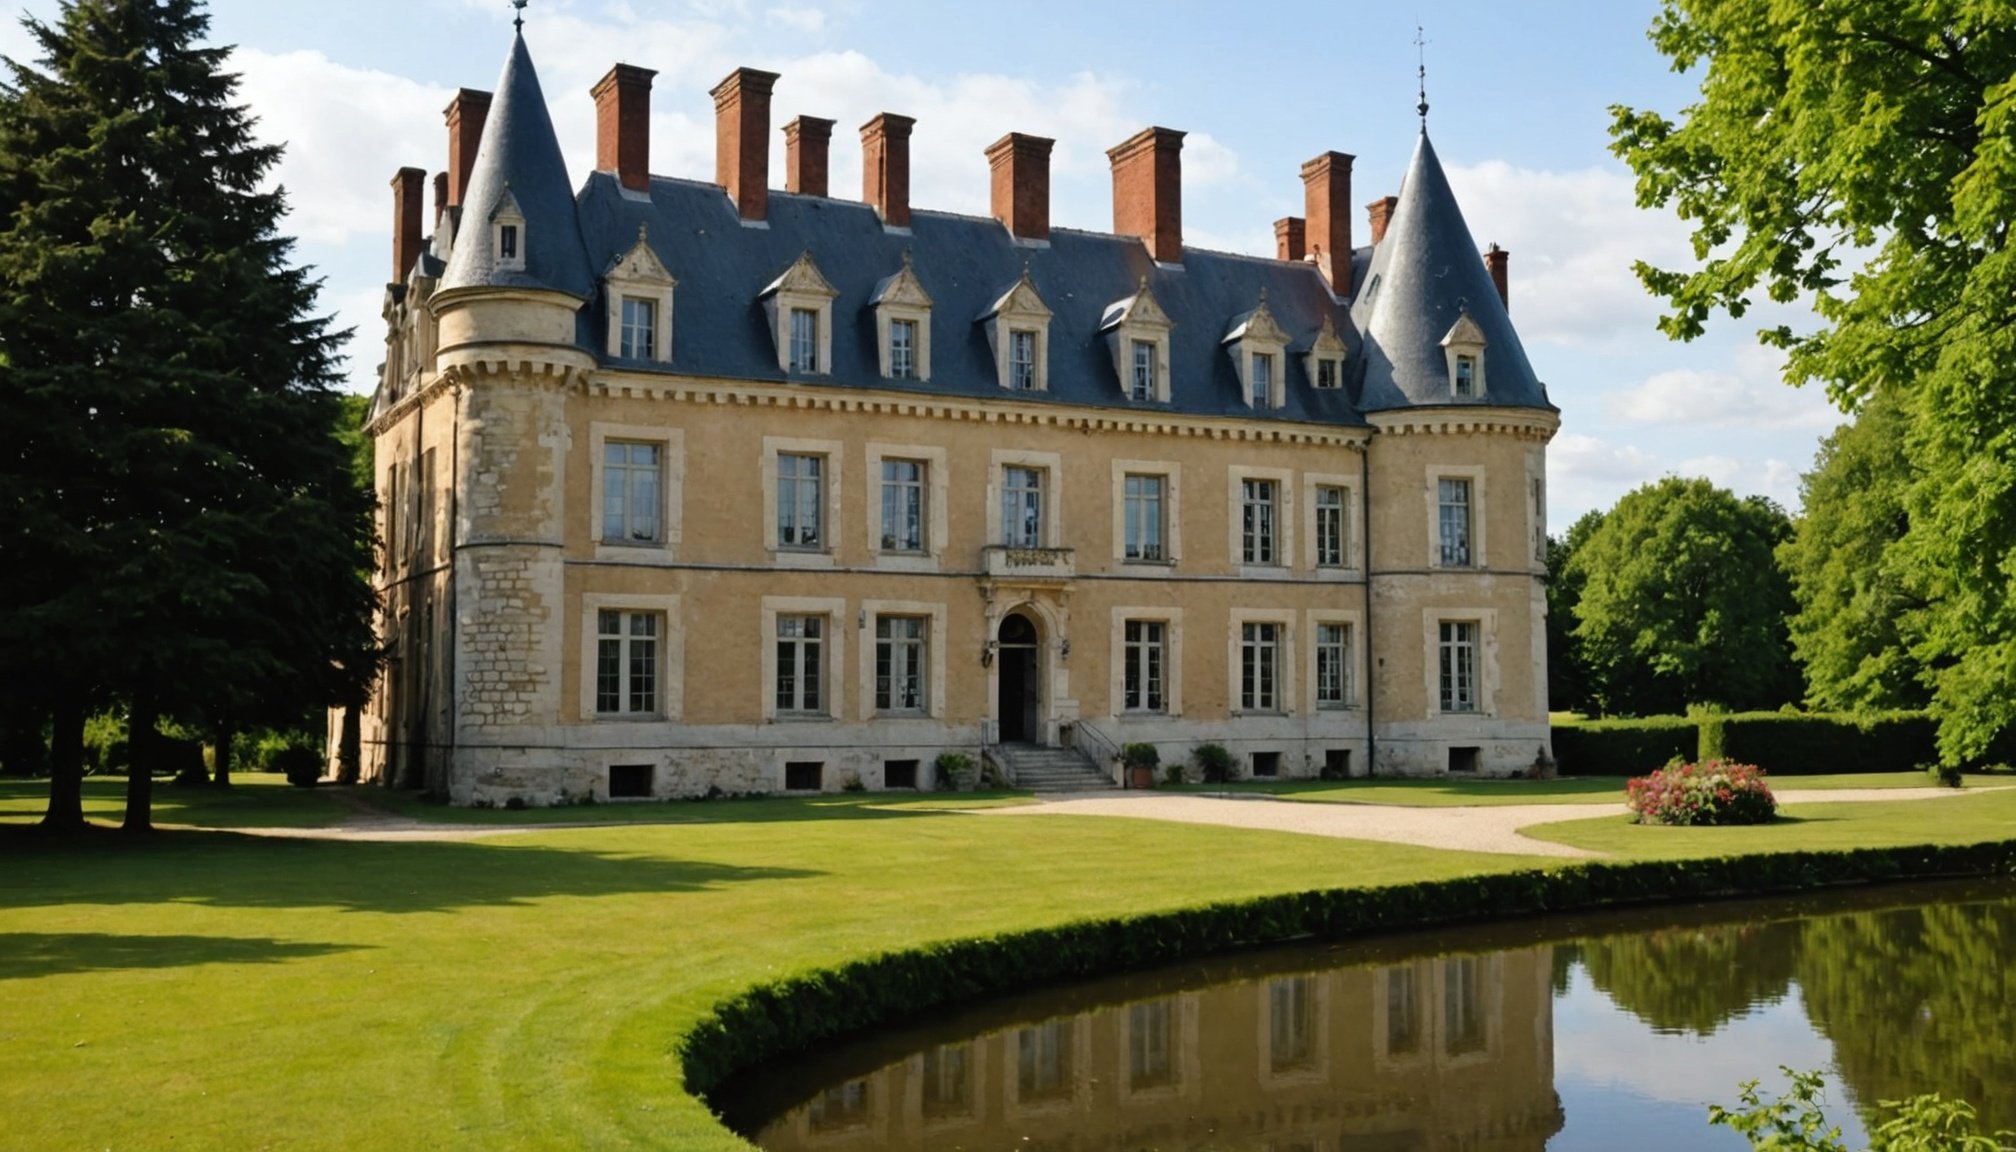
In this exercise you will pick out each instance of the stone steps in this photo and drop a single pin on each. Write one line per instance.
(1052, 769)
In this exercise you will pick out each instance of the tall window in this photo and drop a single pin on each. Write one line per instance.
(640, 329)
(1463, 1005)
(630, 479)
(1021, 359)
(1539, 520)
(1263, 379)
(1143, 515)
(1146, 657)
(1403, 1012)
(1453, 500)
(1141, 385)
(1326, 372)
(1291, 1023)
(902, 506)
(1260, 667)
(1466, 375)
(1260, 520)
(948, 1081)
(1022, 507)
(804, 340)
(1458, 661)
(903, 349)
(800, 665)
(626, 662)
(1151, 1047)
(507, 243)
(801, 499)
(1333, 665)
(899, 663)
(1043, 1061)
(1330, 520)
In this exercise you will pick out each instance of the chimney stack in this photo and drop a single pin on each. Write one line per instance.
(1021, 179)
(1290, 234)
(440, 196)
(742, 140)
(1148, 191)
(623, 125)
(465, 115)
(1326, 184)
(1380, 212)
(1496, 259)
(807, 145)
(408, 197)
(885, 167)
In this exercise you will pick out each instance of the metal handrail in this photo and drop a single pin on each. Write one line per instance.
(1108, 752)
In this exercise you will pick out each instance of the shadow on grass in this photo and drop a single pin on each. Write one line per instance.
(229, 870)
(29, 954)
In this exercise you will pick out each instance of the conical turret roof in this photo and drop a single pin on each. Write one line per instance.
(1427, 273)
(518, 166)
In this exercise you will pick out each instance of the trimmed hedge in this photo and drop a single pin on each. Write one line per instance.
(1624, 747)
(1788, 744)
(799, 1012)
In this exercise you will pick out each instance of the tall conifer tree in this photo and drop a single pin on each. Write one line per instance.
(182, 529)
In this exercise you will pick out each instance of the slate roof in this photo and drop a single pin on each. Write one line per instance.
(1427, 272)
(518, 159)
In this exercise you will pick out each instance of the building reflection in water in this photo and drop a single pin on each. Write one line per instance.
(1453, 1052)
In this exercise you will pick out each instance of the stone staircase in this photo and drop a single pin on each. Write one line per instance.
(1040, 769)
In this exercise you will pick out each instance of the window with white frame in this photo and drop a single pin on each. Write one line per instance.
(1291, 1023)
(1022, 359)
(1332, 517)
(804, 340)
(903, 324)
(1142, 527)
(632, 479)
(1333, 665)
(1464, 347)
(626, 662)
(1022, 507)
(903, 349)
(1453, 521)
(1141, 384)
(1326, 371)
(1466, 376)
(801, 664)
(1403, 1011)
(1263, 380)
(1457, 661)
(1145, 651)
(903, 494)
(507, 244)
(1260, 666)
(901, 671)
(1260, 522)
(1463, 1019)
(801, 501)
(640, 329)
(1153, 1042)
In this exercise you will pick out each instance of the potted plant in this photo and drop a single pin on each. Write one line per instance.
(1140, 760)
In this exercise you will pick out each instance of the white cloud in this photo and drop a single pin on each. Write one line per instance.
(1721, 471)
(810, 21)
(1721, 399)
(1576, 457)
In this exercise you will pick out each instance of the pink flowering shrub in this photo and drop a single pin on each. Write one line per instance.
(1711, 792)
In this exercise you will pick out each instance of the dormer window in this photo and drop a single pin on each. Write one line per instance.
(507, 234)
(1464, 346)
(800, 306)
(1137, 334)
(903, 324)
(639, 294)
(1326, 356)
(1018, 327)
(507, 242)
(1259, 348)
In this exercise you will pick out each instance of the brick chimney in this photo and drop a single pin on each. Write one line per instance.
(1290, 233)
(1380, 212)
(1148, 191)
(885, 167)
(623, 125)
(742, 140)
(1326, 185)
(465, 115)
(1495, 260)
(409, 194)
(440, 196)
(807, 145)
(1021, 178)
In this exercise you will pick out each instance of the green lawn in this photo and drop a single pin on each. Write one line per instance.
(255, 800)
(1986, 815)
(213, 990)
(1444, 793)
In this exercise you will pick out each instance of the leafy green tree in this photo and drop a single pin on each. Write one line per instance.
(1832, 131)
(1853, 631)
(1694, 978)
(1683, 603)
(1567, 679)
(189, 530)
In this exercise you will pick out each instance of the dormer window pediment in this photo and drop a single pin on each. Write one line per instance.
(1259, 348)
(507, 234)
(1137, 336)
(1018, 329)
(638, 291)
(1325, 360)
(903, 324)
(799, 304)
(1464, 346)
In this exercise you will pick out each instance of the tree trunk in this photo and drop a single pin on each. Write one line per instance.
(141, 742)
(225, 735)
(66, 766)
(350, 746)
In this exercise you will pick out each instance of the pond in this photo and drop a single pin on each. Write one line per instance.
(1563, 1034)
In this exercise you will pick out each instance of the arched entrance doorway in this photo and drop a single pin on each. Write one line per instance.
(1018, 703)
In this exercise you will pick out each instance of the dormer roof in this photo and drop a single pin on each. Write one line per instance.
(1141, 308)
(1257, 325)
(518, 166)
(901, 287)
(802, 278)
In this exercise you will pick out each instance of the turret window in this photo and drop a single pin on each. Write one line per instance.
(1464, 345)
(1466, 376)
(507, 243)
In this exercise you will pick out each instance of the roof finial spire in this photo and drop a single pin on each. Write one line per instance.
(1421, 71)
(518, 21)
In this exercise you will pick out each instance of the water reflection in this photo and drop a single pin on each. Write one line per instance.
(1386, 1046)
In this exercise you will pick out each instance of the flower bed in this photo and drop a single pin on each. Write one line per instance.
(1710, 792)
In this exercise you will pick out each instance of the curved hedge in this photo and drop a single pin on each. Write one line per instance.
(799, 1012)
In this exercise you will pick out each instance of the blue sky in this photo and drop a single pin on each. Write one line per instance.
(1519, 93)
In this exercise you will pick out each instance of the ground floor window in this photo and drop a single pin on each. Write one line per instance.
(1146, 653)
(800, 663)
(1260, 667)
(626, 662)
(900, 670)
(1458, 664)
